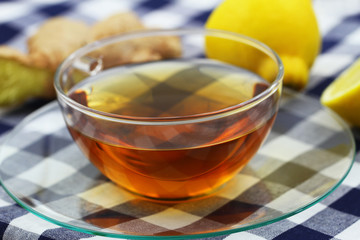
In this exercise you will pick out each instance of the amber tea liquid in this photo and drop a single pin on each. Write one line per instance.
(176, 160)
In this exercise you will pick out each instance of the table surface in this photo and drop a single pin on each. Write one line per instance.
(335, 217)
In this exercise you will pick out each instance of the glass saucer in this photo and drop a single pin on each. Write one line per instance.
(306, 156)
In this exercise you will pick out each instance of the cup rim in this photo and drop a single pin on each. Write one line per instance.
(174, 120)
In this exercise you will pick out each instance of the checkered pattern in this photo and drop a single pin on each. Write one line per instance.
(335, 217)
(43, 168)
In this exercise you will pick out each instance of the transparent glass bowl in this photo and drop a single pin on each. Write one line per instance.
(197, 107)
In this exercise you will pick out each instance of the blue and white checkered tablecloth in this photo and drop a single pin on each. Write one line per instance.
(335, 217)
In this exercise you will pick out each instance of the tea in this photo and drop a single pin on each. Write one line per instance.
(165, 157)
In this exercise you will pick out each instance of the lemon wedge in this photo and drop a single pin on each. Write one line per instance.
(343, 95)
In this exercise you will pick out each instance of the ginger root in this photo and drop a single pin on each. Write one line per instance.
(113, 25)
(131, 51)
(30, 75)
(20, 80)
(55, 40)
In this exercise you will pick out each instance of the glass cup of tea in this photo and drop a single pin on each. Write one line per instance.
(170, 114)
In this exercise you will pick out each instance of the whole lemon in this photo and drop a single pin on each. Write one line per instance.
(287, 26)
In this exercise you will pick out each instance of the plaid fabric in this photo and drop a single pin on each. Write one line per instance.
(335, 217)
(42, 166)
